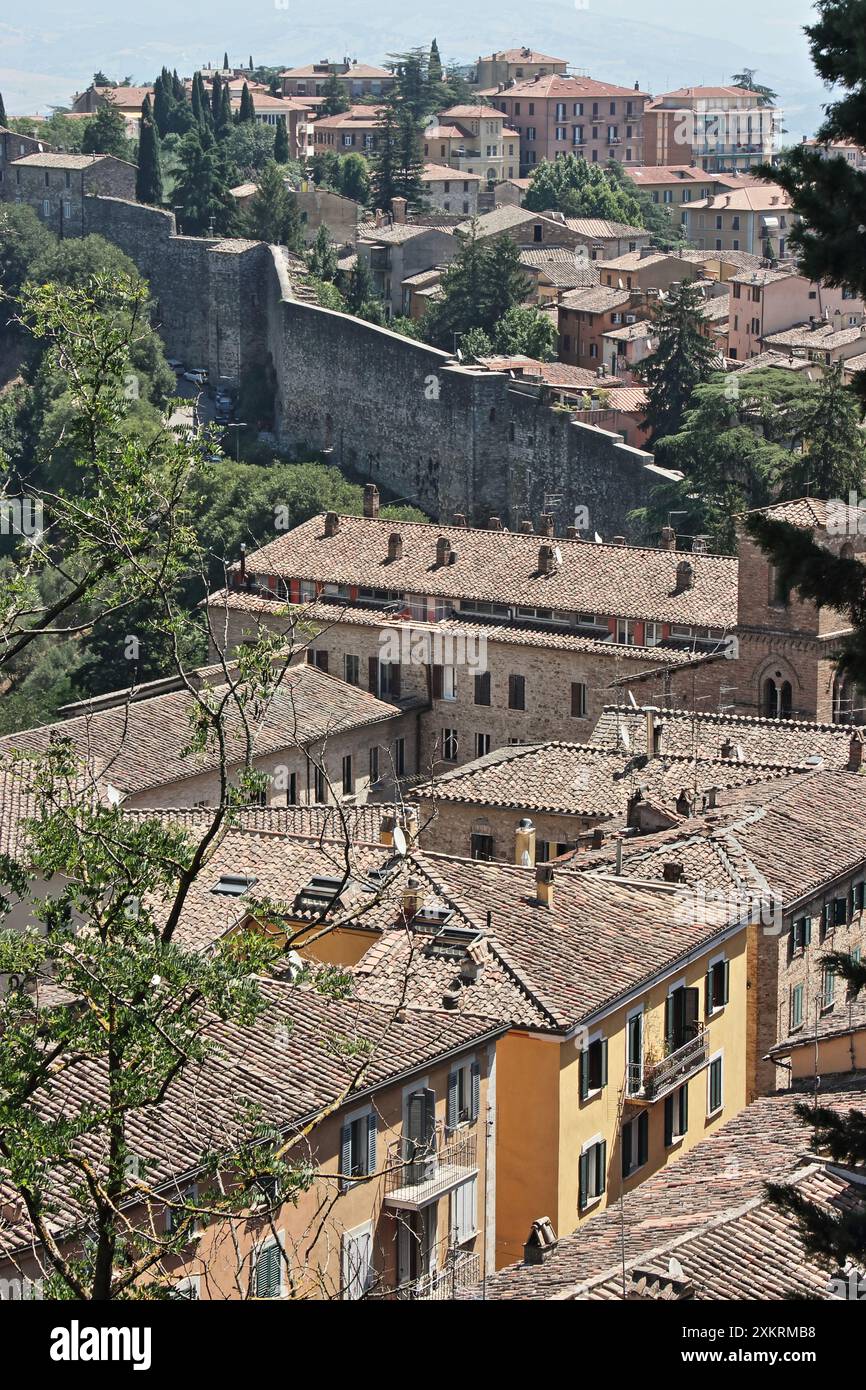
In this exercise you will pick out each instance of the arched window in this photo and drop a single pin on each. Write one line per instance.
(786, 703)
(771, 699)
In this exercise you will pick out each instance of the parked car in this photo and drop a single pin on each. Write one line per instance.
(176, 365)
(197, 375)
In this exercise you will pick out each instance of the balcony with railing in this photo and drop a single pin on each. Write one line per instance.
(419, 1173)
(462, 1271)
(652, 1081)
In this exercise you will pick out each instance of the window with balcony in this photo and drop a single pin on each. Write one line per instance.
(681, 1017)
(593, 1172)
(676, 1115)
(634, 1052)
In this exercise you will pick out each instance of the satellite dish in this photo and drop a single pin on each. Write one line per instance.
(400, 841)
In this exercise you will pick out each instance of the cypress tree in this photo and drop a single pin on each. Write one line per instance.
(250, 62)
(225, 62)
(162, 105)
(281, 141)
(434, 63)
(216, 96)
(247, 112)
(177, 87)
(2, 111)
(148, 177)
(683, 359)
(223, 122)
(200, 106)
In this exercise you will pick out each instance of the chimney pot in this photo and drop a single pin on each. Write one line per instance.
(673, 872)
(545, 527)
(542, 1242)
(544, 884)
(597, 838)
(395, 546)
(619, 540)
(669, 538)
(411, 899)
(855, 752)
(572, 533)
(685, 576)
(371, 500)
(494, 524)
(459, 518)
(443, 551)
(546, 559)
(243, 564)
(332, 523)
(526, 527)
(450, 999)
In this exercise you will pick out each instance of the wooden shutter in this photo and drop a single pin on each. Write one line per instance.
(684, 1112)
(603, 1051)
(583, 1181)
(807, 931)
(669, 1121)
(451, 1108)
(395, 680)
(708, 993)
(475, 1077)
(371, 1142)
(429, 1115)
(601, 1168)
(584, 1073)
(691, 1011)
(626, 1141)
(436, 682)
(373, 674)
(642, 1137)
(345, 1156)
(726, 982)
(669, 1022)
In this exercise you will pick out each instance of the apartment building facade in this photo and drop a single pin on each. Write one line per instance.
(585, 317)
(513, 65)
(716, 129)
(757, 219)
(557, 115)
(474, 139)
(357, 79)
(769, 302)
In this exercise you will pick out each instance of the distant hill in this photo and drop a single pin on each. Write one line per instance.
(55, 45)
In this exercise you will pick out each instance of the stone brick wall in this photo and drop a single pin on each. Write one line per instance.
(447, 827)
(444, 436)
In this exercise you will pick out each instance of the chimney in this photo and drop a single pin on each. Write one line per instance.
(597, 838)
(683, 804)
(669, 538)
(494, 524)
(386, 829)
(332, 523)
(544, 885)
(460, 519)
(711, 796)
(653, 734)
(699, 545)
(451, 997)
(855, 752)
(242, 572)
(443, 551)
(371, 500)
(395, 546)
(673, 872)
(727, 748)
(527, 527)
(685, 576)
(572, 533)
(524, 843)
(541, 1244)
(411, 899)
(398, 210)
(546, 559)
(545, 525)
(619, 540)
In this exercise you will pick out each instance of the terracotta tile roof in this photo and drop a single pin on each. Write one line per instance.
(601, 229)
(766, 197)
(668, 173)
(355, 116)
(507, 633)
(708, 93)
(286, 1063)
(361, 824)
(59, 161)
(356, 70)
(399, 232)
(119, 742)
(710, 1213)
(717, 308)
(520, 55)
(502, 566)
(825, 335)
(630, 332)
(559, 266)
(444, 132)
(763, 360)
(436, 173)
(809, 512)
(633, 260)
(477, 111)
(598, 300)
(500, 220)
(600, 939)
(551, 373)
(553, 85)
(686, 733)
(586, 779)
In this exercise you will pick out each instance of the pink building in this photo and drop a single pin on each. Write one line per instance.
(768, 302)
(558, 115)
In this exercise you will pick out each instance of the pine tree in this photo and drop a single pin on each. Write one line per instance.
(163, 104)
(272, 213)
(281, 141)
(216, 97)
(479, 288)
(361, 290)
(434, 64)
(247, 111)
(2, 111)
(336, 98)
(322, 256)
(106, 133)
(225, 62)
(832, 460)
(148, 178)
(223, 122)
(200, 191)
(385, 159)
(746, 79)
(683, 359)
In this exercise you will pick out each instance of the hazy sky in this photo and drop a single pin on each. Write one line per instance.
(52, 47)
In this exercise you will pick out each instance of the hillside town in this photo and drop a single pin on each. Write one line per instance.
(433, 685)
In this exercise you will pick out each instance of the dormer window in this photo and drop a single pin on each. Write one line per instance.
(233, 885)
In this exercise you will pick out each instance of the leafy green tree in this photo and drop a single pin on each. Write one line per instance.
(201, 191)
(322, 256)
(476, 345)
(281, 141)
(272, 213)
(148, 178)
(527, 331)
(766, 96)
(100, 80)
(682, 360)
(105, 133)
(480, 286)
(24, 239)
(361, 289)
(579, 189)
(336, 99)
(832, 460)
(354, 178)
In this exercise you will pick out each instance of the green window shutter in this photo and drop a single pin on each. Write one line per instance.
(451, 1105)
(604, 1061)
(668, 1021)
(476, 1090)
(708, 993)
(371, 1142)
(685, 1108)
(642, 1137)
(601, 1171)
(627, 1139)
(726, 981)
(582, 1196)
(345, 1156)
(807, 931)
(669, 1121)
(584, 1073)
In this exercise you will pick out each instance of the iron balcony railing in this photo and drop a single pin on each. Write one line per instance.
(420, 1173)
(652, 1081)
(462, 1271)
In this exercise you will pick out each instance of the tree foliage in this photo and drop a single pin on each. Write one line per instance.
(681, 361)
